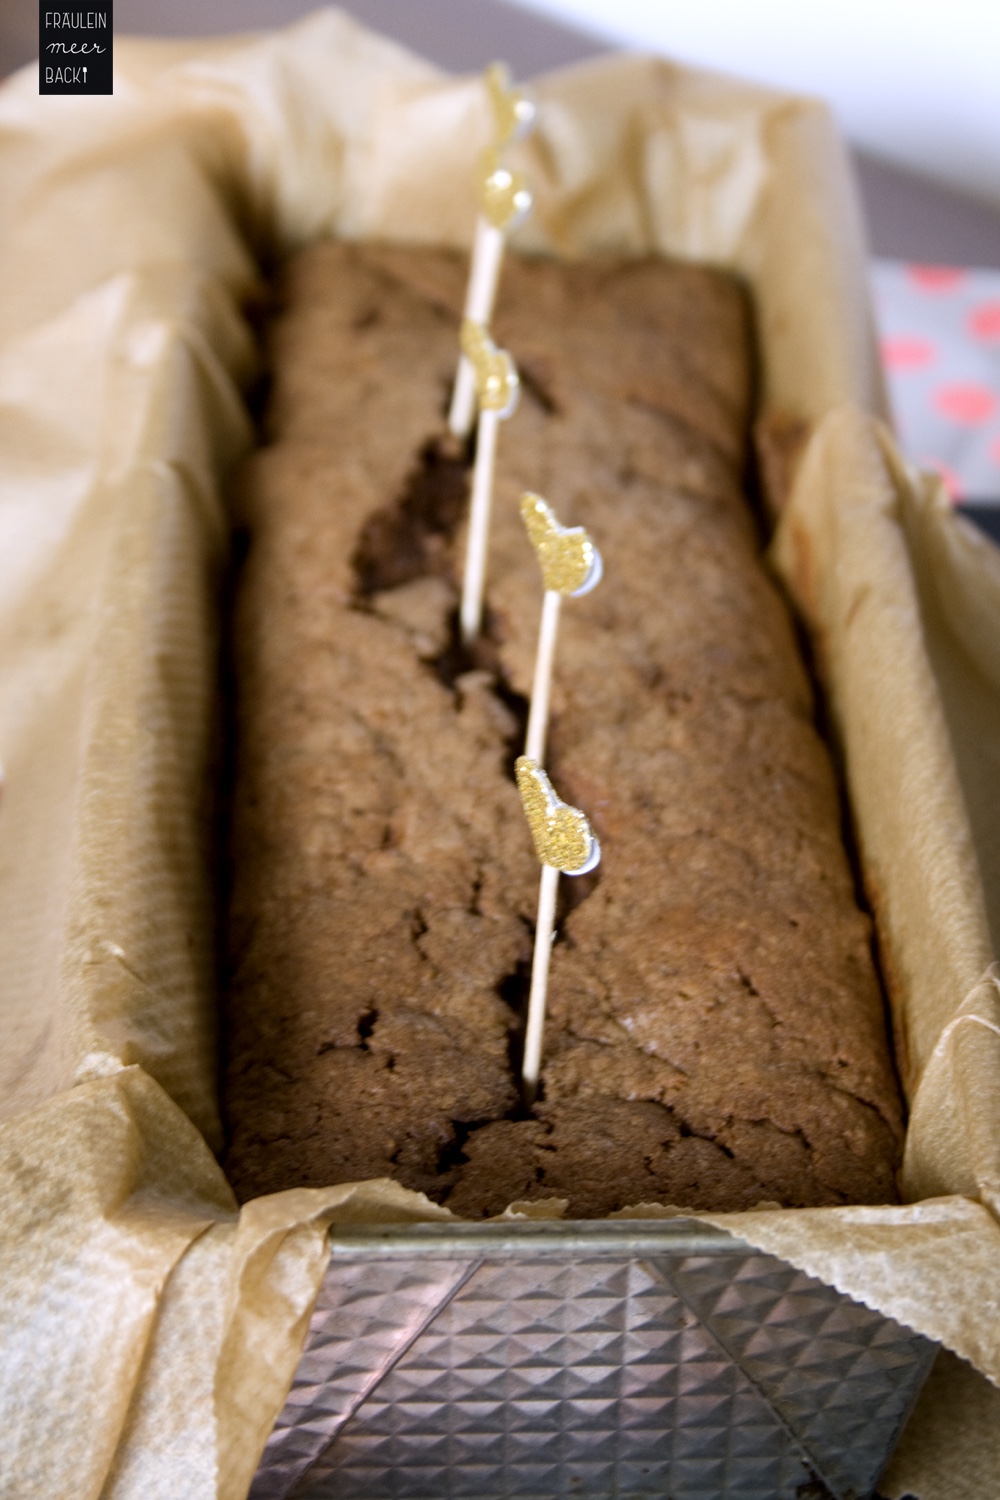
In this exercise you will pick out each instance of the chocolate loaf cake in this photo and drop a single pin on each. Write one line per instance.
(715, 1034)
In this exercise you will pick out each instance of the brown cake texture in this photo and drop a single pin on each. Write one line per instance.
(715, 1035)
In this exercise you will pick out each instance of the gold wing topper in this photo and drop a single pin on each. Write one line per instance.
(563, 837)
(569, 561)
(497, 385)
(504, 195)
(513, 110)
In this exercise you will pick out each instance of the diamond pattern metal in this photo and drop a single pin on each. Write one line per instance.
(363, 1319)
(839, 1374)
(526, 1362)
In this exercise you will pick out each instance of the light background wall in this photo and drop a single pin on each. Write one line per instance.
(916, 82)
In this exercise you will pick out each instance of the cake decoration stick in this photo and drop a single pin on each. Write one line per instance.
(504, 202)
(571, 566)
(564, 841)
(497, 389)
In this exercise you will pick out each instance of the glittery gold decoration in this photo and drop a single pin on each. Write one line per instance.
(513, 111)
(497, 384)
(503, 194)
(567, 556)
(562, 835)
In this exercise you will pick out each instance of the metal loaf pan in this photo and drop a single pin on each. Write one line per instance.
(619, 1358)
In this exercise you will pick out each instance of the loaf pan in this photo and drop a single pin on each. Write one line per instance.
(630, 1358)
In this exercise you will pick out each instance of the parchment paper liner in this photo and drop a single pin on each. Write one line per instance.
(149, 1330)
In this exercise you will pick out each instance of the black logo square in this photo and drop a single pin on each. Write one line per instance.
(75, 49)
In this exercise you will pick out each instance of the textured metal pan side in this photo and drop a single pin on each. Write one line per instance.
(615, 1359)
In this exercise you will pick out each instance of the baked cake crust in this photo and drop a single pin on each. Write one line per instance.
(715, 1034)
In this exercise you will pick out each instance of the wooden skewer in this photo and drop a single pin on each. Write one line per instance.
(474, 581)
(535, 1030)
(487, 255)
(538, 714)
